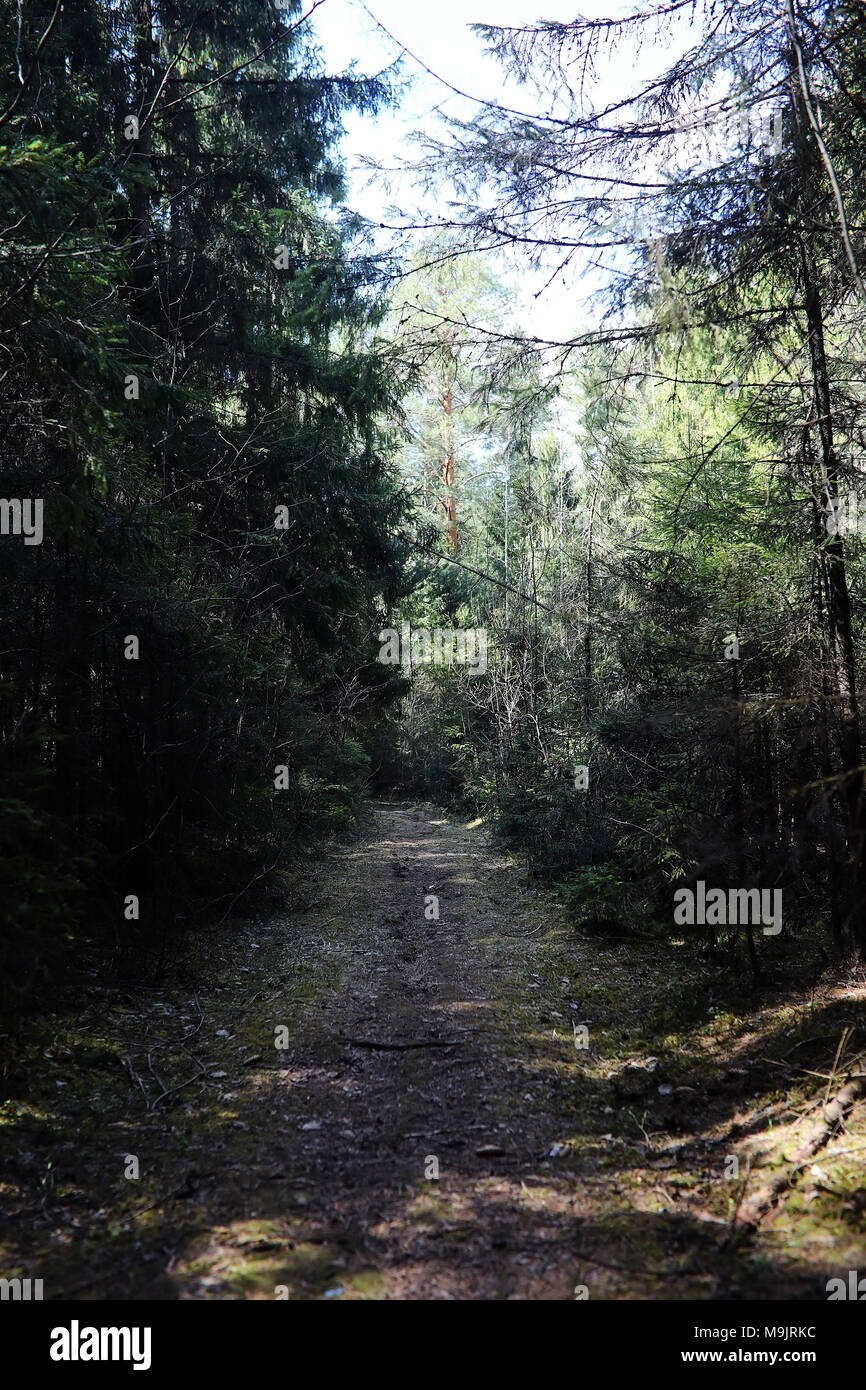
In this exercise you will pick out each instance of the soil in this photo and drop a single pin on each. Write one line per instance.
(354, 1098)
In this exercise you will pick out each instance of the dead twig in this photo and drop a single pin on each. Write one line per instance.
(173, 1089)
(135, 1078)
(832, 1119)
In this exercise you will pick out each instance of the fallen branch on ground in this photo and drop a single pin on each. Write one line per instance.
(172, 1089)
(755, 1209)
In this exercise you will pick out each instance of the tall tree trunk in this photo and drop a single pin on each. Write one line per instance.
(838, 598)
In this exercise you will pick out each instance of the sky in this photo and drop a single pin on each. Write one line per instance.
(437, 32)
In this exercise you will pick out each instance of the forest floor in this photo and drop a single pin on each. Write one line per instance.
(415, 1046)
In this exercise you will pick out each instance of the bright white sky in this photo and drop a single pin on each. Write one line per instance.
(438, 32)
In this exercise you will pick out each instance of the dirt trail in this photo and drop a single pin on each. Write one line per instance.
(413, 1046)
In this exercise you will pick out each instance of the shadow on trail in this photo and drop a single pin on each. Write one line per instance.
(309, 1172)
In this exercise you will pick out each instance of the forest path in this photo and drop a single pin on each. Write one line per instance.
(412, 1045)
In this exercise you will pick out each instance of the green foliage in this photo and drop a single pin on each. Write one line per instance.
(595, 895)
(663, 483)
(191, 339)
